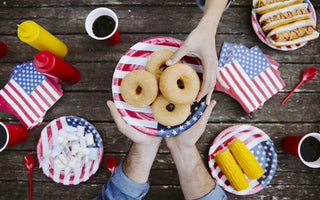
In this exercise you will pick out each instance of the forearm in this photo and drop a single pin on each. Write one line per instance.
(194, 178)
(138, 162)
(212, 13)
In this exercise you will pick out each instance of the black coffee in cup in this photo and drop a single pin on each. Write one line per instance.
(310, 149)
(3, 136)
(103, 26)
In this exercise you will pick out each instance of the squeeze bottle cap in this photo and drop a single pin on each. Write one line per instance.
(28, 31)
(43, 61)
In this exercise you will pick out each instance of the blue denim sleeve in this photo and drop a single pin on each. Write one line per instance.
(217, 194)
(120, 187)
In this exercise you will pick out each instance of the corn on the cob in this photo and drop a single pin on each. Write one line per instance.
(231, 170)
(245, 159)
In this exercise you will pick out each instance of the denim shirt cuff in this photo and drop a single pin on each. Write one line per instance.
(127, 186)
(216, 193)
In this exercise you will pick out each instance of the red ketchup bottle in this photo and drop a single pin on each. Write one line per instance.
(53, 66)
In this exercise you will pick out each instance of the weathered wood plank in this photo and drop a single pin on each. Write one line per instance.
(296, 174)
(19, 190)
(71, 20)
(115, 142)
(98, 77)
(53, 3)
(84, 49)
(300, 107)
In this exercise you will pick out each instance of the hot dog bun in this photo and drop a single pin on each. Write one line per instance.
(283, 16)
(295, 33)
(264, 6)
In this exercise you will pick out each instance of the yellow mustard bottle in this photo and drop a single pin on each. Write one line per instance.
(33, 34)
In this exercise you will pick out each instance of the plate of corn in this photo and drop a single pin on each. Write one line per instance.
(242, 159)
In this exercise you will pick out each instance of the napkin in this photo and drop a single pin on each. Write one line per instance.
(29, 94)
(252, 77)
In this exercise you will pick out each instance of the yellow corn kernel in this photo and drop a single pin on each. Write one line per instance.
(245, 159)
(231, 170)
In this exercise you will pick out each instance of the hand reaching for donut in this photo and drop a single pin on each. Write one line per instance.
(201, 43)
(129, 131)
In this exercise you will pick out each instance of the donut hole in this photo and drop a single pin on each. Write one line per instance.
(163, 67)
(170, 107)
(180, 84)
(138, 90)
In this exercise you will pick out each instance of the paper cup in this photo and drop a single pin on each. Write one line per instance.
(11, 134)
(3, 49)
(293, 144)
(114, 37)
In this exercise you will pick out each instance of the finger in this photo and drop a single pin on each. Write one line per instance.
(121, 124)
(182, 51)
(114, 113)
(208, 98)
(209, 80)
(222, 83)
(207, 112)
(198, 128)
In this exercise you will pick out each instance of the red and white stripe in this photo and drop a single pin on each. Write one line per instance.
(45, 144)
(251, 136)
(135, 59)
(251, 94)
(30, 109)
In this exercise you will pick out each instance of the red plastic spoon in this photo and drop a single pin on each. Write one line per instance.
(28, 162)
(111, 163)
(307, 75)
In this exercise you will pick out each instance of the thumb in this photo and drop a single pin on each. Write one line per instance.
(182, 51)
(114, 113)
(207, 112)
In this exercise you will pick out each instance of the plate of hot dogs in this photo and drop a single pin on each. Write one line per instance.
(284, 24)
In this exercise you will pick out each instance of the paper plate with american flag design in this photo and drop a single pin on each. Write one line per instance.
(142, 118)
(48, 142)
(258, 143)
(262, 36)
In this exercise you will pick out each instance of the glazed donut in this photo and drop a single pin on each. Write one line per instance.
(139, 88)
(179, 83)
(169, 114)
(157, 62)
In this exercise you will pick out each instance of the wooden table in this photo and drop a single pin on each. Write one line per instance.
(141, 19)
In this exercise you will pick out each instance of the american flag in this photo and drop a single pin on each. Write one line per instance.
(251, 76)
(258, 143)
(45, 144)
(141, 118)
(29, 94)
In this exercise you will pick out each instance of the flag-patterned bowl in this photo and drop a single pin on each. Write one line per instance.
(45, 145)
(258, 143)
(142, 118)
(263, 37)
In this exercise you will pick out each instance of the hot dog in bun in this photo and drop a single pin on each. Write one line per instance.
(294, 33)
(264, 6)
(284, 16)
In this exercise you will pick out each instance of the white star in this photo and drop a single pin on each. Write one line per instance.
(181, 127)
